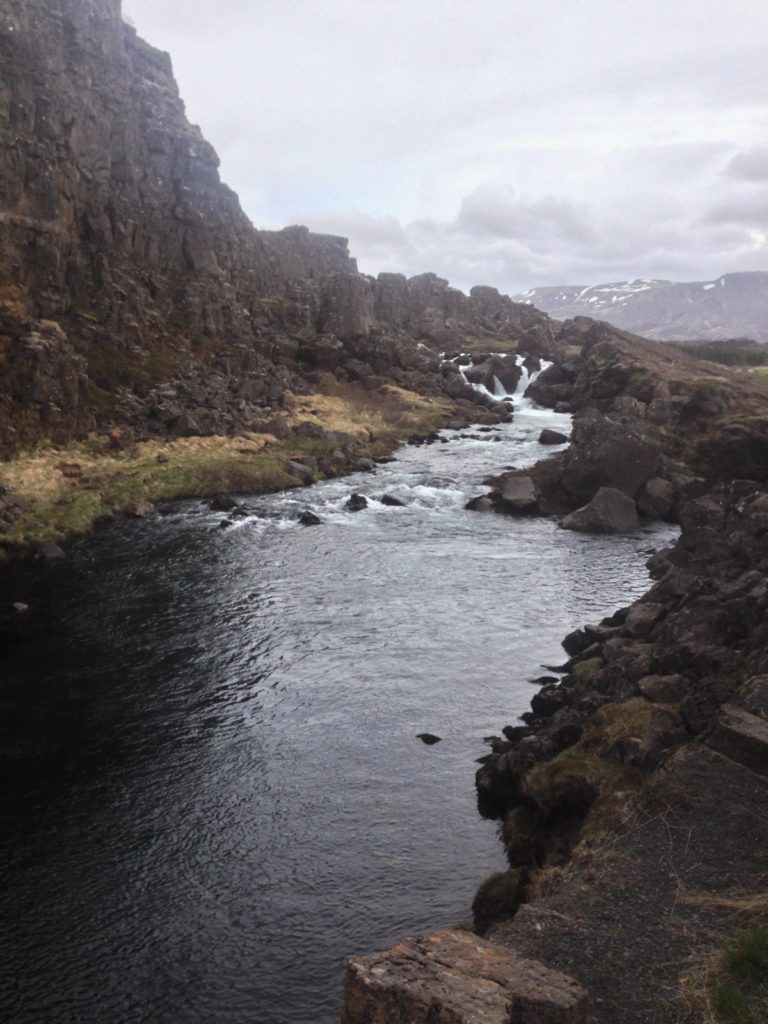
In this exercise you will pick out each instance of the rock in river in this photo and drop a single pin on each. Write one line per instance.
(356, 503)
(610, 511)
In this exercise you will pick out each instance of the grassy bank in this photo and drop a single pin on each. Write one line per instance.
(60, 492)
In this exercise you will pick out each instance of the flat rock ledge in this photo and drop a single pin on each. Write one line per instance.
(453, 977)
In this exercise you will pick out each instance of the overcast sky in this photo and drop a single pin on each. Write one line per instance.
(506, 142)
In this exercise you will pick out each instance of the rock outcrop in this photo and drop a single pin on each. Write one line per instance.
(453, 976)
(668, 697)
(135, 292)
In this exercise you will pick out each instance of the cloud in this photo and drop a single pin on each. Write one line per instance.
(751, 165)
(499, 212)
(750, 210)
(529, 144)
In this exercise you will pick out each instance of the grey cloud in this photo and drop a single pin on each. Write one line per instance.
(498, 211)
(530, 144)
(749, 210)
(751, 165)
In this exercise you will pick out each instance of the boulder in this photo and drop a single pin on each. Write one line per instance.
(610, 511)
(300, 472)
(223, 503)
(392, 501)
(519, 496)
(309, 518)
(656, 498)
(456, 978)
(356, 503)
(50, 553)
(480, 504)
(548, 436)
(642, 617)
(606, 453)
(743, 737)
(663, 689)
(139, 509)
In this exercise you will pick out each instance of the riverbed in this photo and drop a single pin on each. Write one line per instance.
(214, 793)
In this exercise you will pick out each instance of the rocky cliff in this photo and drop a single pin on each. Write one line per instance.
(133, 289)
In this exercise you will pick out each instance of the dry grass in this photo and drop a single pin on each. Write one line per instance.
(386, 415)
(66, 490)
(729, 984)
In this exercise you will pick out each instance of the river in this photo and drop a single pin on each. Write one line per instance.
(213, 792)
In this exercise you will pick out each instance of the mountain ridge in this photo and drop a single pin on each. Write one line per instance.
(730, 306)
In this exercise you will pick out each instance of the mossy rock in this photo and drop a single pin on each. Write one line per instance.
(520, 837)
(584, 669)
(498, 897)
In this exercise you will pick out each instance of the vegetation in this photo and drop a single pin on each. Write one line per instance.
(730, 986)
(728, 355)
(66, 490)
(500, 895)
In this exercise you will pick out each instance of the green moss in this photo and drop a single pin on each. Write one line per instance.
(499, 896)
(75, 506)
(739, 991)
(520, 836)
(584, 669)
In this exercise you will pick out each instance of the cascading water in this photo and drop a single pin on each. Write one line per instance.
(215, 794)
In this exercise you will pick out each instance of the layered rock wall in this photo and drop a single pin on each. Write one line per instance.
(133, 288)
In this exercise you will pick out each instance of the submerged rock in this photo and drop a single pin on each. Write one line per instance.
(392, 501)
(427, 737)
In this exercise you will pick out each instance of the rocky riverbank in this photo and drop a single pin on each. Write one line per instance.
(633, 797)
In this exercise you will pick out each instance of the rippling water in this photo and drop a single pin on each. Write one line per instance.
(214, 794)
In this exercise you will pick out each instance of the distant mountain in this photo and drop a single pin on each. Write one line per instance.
(735, 305)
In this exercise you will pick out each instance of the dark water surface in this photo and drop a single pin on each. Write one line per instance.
(212, 793)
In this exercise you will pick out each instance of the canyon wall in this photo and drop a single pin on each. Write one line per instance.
(133, 288)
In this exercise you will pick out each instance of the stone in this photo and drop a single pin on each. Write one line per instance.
(429, 738)
(656, 498)
(642, 617)
(743, 737)
(356, 503)
(519, 496)
(300, 472)
(391, 501)
(50, 553)
(548, 436)
(610, 511)
(663, 689)
(139, 509)
(20, 608)
(453, 977)
(480, 504)
(223, 503)
(309, 518)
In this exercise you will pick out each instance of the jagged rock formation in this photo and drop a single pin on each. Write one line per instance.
(649, 421)
(133, 289)
(732, 306)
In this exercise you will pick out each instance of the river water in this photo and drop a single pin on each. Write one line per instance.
(213, 793)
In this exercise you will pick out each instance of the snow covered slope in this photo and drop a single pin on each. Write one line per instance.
(735, 305)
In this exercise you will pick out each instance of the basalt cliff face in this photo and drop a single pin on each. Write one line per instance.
(134, 290)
